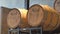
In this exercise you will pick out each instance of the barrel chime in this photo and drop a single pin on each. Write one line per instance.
(36, 16)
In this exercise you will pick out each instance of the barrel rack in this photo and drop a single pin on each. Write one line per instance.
(30, 31)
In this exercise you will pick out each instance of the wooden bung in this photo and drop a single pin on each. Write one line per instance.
(57, 5)
(44, 16)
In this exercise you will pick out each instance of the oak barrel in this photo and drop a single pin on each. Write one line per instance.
(17, 17)
(24, 21)
(44, 16)
(57, 5)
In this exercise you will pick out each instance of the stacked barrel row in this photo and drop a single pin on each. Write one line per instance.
(36, 16)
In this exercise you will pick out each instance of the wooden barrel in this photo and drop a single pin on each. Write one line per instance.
(57, 5)
(24, 21)
(44, 16)
(17, 17)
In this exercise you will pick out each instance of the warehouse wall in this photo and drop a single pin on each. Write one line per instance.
(20, 4)
(0, 21)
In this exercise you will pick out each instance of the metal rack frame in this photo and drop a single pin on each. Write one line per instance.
(18, 30)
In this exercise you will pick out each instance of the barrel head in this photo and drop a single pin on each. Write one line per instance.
(13, 18)
(35, 15)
